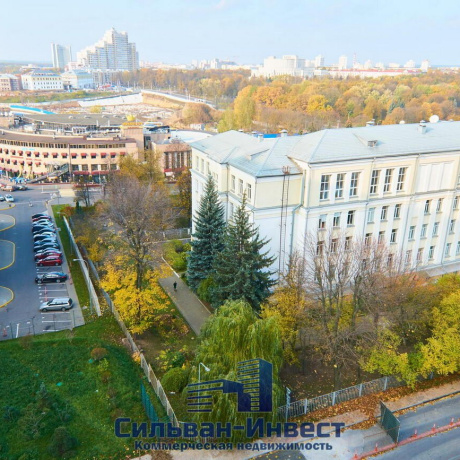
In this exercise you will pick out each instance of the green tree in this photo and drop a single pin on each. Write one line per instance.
(184, 185)
(234, 334)
(207, 239)
(241, 269)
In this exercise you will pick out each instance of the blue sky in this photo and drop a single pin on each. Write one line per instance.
(177, 31)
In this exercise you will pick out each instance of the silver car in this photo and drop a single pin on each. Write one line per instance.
(61, 303)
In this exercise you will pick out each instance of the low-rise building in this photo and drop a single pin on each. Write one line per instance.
(41, 80)
(9, 83)
(398, 185)
(77, 79)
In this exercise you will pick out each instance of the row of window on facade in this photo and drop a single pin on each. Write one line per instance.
(325, 186)
(384, 214)
(241, 189)
(44, 145)
(334, 245)
(102, 167)
(62, 155)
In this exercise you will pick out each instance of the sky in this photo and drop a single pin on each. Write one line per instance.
(245, 31)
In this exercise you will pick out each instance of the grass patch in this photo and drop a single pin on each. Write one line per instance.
(75, 270)
(92, 394)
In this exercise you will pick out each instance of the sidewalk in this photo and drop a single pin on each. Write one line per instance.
(194, 312)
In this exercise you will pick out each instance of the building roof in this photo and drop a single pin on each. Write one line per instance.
(269, 156)
(77, 119)
(41, 73)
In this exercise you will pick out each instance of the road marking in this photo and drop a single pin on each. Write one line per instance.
(67, 321)
(17, 331)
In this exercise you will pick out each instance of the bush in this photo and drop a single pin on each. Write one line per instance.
(170, 359)
(176, 253)
(99, 353)
(205, 289)
(62, 443)
(175, 379)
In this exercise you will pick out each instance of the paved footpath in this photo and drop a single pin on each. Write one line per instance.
(194, 312)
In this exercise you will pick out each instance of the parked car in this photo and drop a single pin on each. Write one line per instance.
(62, 303)
(22, 187)
(40, 214)
(42, 219)
(47, 253)
(8, 188)
(2, 198)
(9, 198)
(45, 236)
(51, 277)
(41, 227)
(45, 241)
(44, 230)
(50, 260)
(46, 245)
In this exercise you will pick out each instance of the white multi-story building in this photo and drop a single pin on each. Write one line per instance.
(319, 61)
(396, 184)
(287, 65)
(41, 80)
(61, 55)
(113, 52)
(77, 79)
(343, 62)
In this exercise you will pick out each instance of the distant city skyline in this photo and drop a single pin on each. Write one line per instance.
(243, 31)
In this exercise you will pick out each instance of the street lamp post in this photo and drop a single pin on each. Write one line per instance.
(89, 292)
(206, 368)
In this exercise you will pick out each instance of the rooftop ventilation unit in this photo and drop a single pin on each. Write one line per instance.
(422, 128)
(372, 143)
(370, 123)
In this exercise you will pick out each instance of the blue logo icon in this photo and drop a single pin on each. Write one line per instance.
(253, 388)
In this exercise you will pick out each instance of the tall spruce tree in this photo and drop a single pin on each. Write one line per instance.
(207, 240)
(241, 269)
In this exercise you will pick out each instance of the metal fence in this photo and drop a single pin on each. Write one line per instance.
(304, 406)
(148, 406)
(84, 268)
(148, 371)
(177, 234)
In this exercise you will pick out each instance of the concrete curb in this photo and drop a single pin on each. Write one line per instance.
(12, 296)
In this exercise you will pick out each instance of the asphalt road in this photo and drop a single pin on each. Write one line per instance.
(21, 316)
(443, 446)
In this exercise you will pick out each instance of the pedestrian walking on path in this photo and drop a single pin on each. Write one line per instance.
(175, 286)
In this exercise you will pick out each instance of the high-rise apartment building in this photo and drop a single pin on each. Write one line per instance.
(113, 52)
(61, 55)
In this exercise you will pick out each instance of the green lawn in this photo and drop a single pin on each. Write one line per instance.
(75, 270)
(94, 394)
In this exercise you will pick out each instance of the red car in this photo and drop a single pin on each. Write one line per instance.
(50, 260)
(50, 253)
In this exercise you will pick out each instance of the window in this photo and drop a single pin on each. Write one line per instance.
(387, 183)
(374, 181)
(240, 187)
(333, 247)
(439, 205)
(94, 167)
(322, 222)
(455, 203)
(383, 214)
(397, 213)
(351, 217)
(457, 251)
(354, 184)
(348, 243)
(249, 191)
(324, 188)
(390, 260)
(367, 239)
(207, 167)
(394, 232)
(435, 228)
(84, 167)
(452, 226)
(423, 232)
(401, 177)
(319, 248)
(232, 209)
(427, 206)
(408, 257)
(370, 215)
(411, 232)
(202, 165)
(419, 255)
(233, 183)
(336, 220)
(381, 239)
(339, 185)
(447, 250)
(431, 253)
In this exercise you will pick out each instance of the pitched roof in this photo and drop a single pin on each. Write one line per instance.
(268, 157)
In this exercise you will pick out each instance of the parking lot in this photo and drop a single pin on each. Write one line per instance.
(22, 316)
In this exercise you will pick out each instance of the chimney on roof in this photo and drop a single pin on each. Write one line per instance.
(284, 133)
(260, 137)
(422, 128)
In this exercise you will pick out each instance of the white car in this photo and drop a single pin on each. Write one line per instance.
(9, 198)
